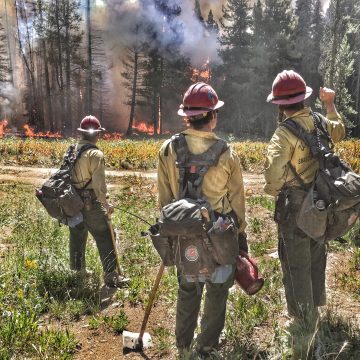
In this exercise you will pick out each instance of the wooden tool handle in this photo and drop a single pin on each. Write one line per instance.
(150, 303)
(112, 233)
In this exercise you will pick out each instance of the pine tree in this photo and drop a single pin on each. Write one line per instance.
(304, 40)
(197, 10)
(211, 24)
(133, 78)
(317, 31)
(337, 60)
(279, 26)
(235, 52)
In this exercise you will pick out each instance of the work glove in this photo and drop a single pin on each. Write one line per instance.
(242, 240)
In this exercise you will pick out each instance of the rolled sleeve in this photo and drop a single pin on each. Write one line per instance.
(97, 168)
(235, 187)
(278, 155)
(335, 126)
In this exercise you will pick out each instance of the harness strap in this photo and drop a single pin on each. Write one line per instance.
(193, 167)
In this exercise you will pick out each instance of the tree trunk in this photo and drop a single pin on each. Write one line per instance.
(8, 32)
(155, 111)
(60, 64)
(48, 88)
(133, 94)
(89, 105)
(68, 121)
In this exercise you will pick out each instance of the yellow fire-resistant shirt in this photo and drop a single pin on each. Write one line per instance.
(285, 146)
(91, 165)
(222, 185)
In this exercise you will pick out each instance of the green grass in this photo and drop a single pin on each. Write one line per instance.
(35, 282)
(264, 201)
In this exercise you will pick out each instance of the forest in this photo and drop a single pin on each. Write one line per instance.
(128, 62)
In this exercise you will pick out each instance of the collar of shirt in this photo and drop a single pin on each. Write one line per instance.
(305, 112)
(201, 134)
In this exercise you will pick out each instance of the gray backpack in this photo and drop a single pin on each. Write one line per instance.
(185, 235)
(57, 194)
(331, 206)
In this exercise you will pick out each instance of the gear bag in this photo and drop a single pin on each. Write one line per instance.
(332, 204)
(59, 197)
(187, 235)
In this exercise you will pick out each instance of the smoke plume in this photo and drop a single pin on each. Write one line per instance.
(8, 99)
(162, 25)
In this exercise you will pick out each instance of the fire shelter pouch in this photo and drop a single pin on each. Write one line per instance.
(310, 219)
(224, 243)
(193, 257)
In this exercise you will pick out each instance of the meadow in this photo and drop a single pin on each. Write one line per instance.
(49, 312)
(138, 154)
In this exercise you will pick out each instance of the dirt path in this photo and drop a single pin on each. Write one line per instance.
(36, 176)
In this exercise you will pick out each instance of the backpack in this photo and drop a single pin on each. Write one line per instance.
(58, 195)
(187, 234)
(331, 205)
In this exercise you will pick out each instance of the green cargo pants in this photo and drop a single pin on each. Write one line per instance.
(95, 222)
(187, 311)
(303, 262)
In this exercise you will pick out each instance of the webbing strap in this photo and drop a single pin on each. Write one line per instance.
(193, 167)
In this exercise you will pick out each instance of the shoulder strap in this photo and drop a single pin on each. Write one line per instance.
(309, 138)
(193, 167)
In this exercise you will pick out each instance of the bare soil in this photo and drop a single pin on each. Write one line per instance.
(36, 176)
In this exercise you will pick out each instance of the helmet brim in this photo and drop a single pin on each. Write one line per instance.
(91, 131)
(290, 100)
(185, 113)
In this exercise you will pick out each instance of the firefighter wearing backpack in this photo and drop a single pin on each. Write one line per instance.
(222, 188)
(88, 177)
(289, 168)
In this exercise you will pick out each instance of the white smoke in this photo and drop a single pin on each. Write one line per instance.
(8, 99)
(160, 30)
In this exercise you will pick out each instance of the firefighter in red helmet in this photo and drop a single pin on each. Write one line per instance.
(221, 185)
(88, 177)
(289, 171)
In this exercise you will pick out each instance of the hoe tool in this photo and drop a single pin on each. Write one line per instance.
(142, 340)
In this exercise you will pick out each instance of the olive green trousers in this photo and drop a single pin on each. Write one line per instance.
(303, 262)
(213, 318)
(95, 222)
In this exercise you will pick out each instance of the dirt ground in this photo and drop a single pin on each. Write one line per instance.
(103, 344)
(36, 176)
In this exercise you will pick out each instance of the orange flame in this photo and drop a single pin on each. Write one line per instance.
(203, 73)
(143, 127)
(29, 131)
(113, 136)
(3, 124)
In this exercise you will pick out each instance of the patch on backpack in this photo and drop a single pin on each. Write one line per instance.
(191, 253)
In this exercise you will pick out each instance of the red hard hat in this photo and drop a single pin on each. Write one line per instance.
(90, 124)
(200, 98)
(289, 88)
